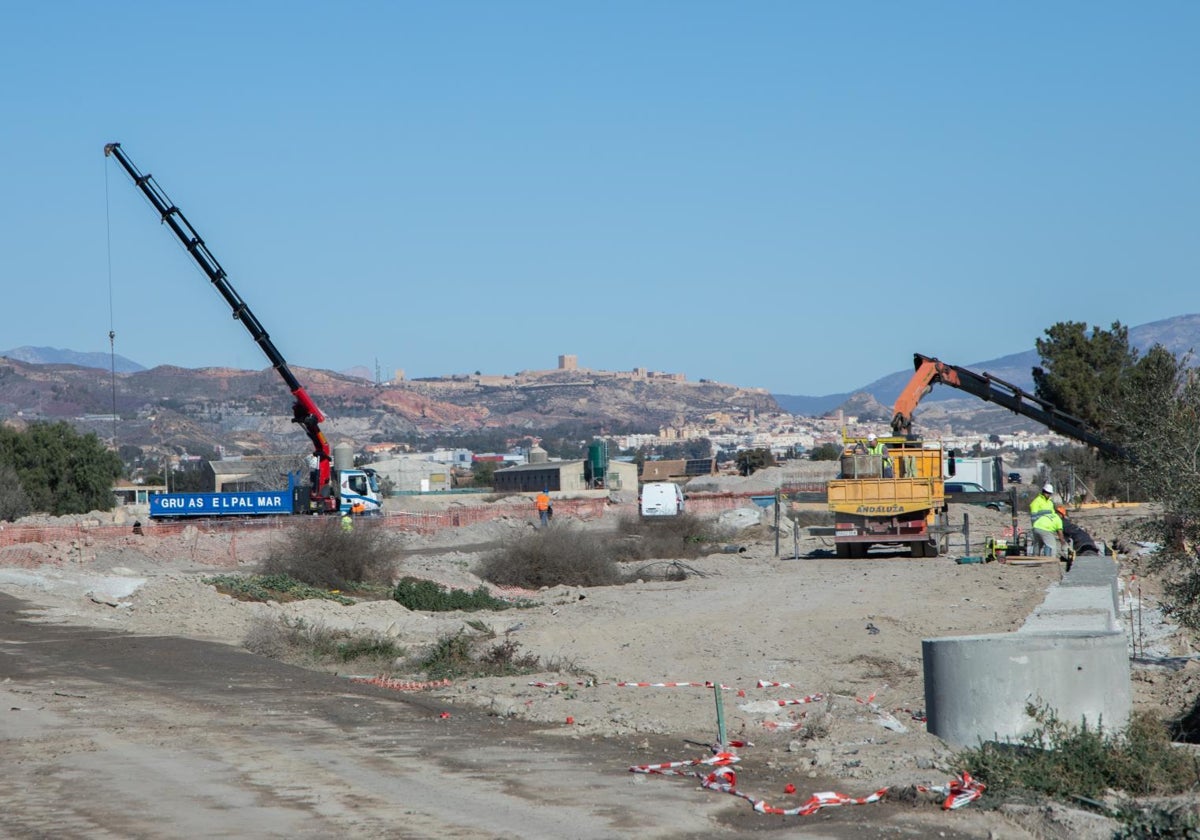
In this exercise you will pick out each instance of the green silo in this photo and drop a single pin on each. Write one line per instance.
(597, 462)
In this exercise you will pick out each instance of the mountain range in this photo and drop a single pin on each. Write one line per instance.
(55, 356)
(178, 409)
(1180, 335)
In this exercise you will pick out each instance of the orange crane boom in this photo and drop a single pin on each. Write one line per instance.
(929, 372)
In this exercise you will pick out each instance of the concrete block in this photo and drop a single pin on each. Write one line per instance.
(1070, 655)
(977, 687)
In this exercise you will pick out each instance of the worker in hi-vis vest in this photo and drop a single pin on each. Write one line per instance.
(877, 447)
(542, 503)
(1047, 527)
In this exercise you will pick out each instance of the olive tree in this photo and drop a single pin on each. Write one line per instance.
(14, 503)
(1159, 424)
(60, 470)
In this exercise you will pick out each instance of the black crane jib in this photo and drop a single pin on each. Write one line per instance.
(304, 411)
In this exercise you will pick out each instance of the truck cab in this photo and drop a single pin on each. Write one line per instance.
(359, 493)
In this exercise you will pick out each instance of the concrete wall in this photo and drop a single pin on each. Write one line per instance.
(408, 474)
(623, 475)
(1070, 655)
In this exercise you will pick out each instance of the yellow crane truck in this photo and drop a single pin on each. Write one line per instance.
(869, 508)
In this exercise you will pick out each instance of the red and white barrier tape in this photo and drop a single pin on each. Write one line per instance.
(826, 799)
(958, 791)
(400, 685)
(719, 758)
(723, 779)
(624, 684)
(799, 701)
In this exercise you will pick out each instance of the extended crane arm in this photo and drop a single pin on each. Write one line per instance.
(930, 371)
(304, 410)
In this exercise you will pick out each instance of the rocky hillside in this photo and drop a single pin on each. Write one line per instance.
(181, 409)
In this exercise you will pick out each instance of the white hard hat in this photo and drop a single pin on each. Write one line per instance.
(871, 436)
(1048, 488)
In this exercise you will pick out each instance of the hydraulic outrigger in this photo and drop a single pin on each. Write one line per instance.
(304, 410)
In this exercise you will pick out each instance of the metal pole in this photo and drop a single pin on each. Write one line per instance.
(720, 714)
(1012, 503)
(776, 523)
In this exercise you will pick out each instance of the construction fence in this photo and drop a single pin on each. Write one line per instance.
(428, 522)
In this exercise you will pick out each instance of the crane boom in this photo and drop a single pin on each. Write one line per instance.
(304, 410)
(930, 371)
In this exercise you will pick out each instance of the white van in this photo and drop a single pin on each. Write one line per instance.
(661, 498)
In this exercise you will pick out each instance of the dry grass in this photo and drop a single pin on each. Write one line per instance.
(297, 642)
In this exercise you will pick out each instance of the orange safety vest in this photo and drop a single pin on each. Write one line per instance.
(542, 501)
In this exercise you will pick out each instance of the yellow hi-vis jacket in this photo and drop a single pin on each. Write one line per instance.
(880, 448)
(1042, 514)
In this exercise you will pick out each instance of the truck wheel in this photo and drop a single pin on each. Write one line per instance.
(843, 550)
(918, 548)
(858, 551)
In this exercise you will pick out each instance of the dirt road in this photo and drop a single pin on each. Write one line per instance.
(130, 709)
(109, 735)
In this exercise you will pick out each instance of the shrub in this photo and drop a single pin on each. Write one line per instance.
(449, 657)
(1178, 823)
(561, 555)
(455, 656)
(295, 640)
(427, 596)
(1061, 759)
(665, 538)
(318, 552)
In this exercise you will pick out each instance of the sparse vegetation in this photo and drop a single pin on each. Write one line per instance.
(322, 554)
(464, 654)
(1178, 823)
(666, 538)
(277, 587)
(564, 555)
(561, 555)
(297, 641)
(427, 596)
(1060, 759)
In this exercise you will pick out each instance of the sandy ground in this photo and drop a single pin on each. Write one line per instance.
(637, 662)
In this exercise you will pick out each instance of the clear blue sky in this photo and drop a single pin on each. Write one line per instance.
(788, 195)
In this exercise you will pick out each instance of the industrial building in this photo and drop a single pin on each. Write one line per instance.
(410, 475)
(591, 473)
